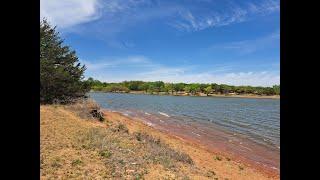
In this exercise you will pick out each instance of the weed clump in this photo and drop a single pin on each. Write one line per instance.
(120, 128)
(56, 163)
(241, 168)
(218, 158)
(105, 154)
(86, 109)
(210, 173)
(138, 136)
(76, 162)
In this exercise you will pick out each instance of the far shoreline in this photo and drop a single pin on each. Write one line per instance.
(248, 96)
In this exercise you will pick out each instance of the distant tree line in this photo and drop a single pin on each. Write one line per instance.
(157, 87)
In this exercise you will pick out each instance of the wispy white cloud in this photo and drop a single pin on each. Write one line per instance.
(249, 46)
(189, 21)
(142, 68)
(116, 62)
(265, 7)
(234, 14)
(68, 13)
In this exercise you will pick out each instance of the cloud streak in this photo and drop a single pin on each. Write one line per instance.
(108, 63)
(249, 46)
(235, 14)
(142, 68)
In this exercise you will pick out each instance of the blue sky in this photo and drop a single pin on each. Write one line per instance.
(206, 41)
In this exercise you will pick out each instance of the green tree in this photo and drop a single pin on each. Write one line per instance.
(276, 89)
(134, 85)
(208, 90)
(224, 88)
(157, 86)
(187, 88)
(268, 91)
(178, 87)
(216, 87)
(194, 88)
(203, 87)
(145, 86)
(168, 87)
(61, 74)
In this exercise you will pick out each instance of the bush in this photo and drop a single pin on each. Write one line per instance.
(86, 109)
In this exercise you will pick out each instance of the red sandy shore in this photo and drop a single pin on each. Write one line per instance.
(253, 96)
(256, 159)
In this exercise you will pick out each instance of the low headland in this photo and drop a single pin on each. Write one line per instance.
(75, 144)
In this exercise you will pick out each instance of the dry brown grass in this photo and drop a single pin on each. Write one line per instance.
(72, 147)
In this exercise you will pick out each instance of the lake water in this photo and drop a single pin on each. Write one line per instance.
(243, 126)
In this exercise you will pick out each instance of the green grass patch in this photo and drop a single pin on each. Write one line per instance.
(105, 154)
(76, 162)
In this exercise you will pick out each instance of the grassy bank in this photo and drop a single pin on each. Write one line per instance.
(75, 145)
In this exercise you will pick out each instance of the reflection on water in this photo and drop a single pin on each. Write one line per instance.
(249, 127)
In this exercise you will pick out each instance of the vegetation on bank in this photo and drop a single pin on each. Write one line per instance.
(72, 147)
(180, 88)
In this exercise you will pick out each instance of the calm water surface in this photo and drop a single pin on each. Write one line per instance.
(257, 120)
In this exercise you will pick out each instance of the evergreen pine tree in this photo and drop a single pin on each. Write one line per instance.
(61, 74)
